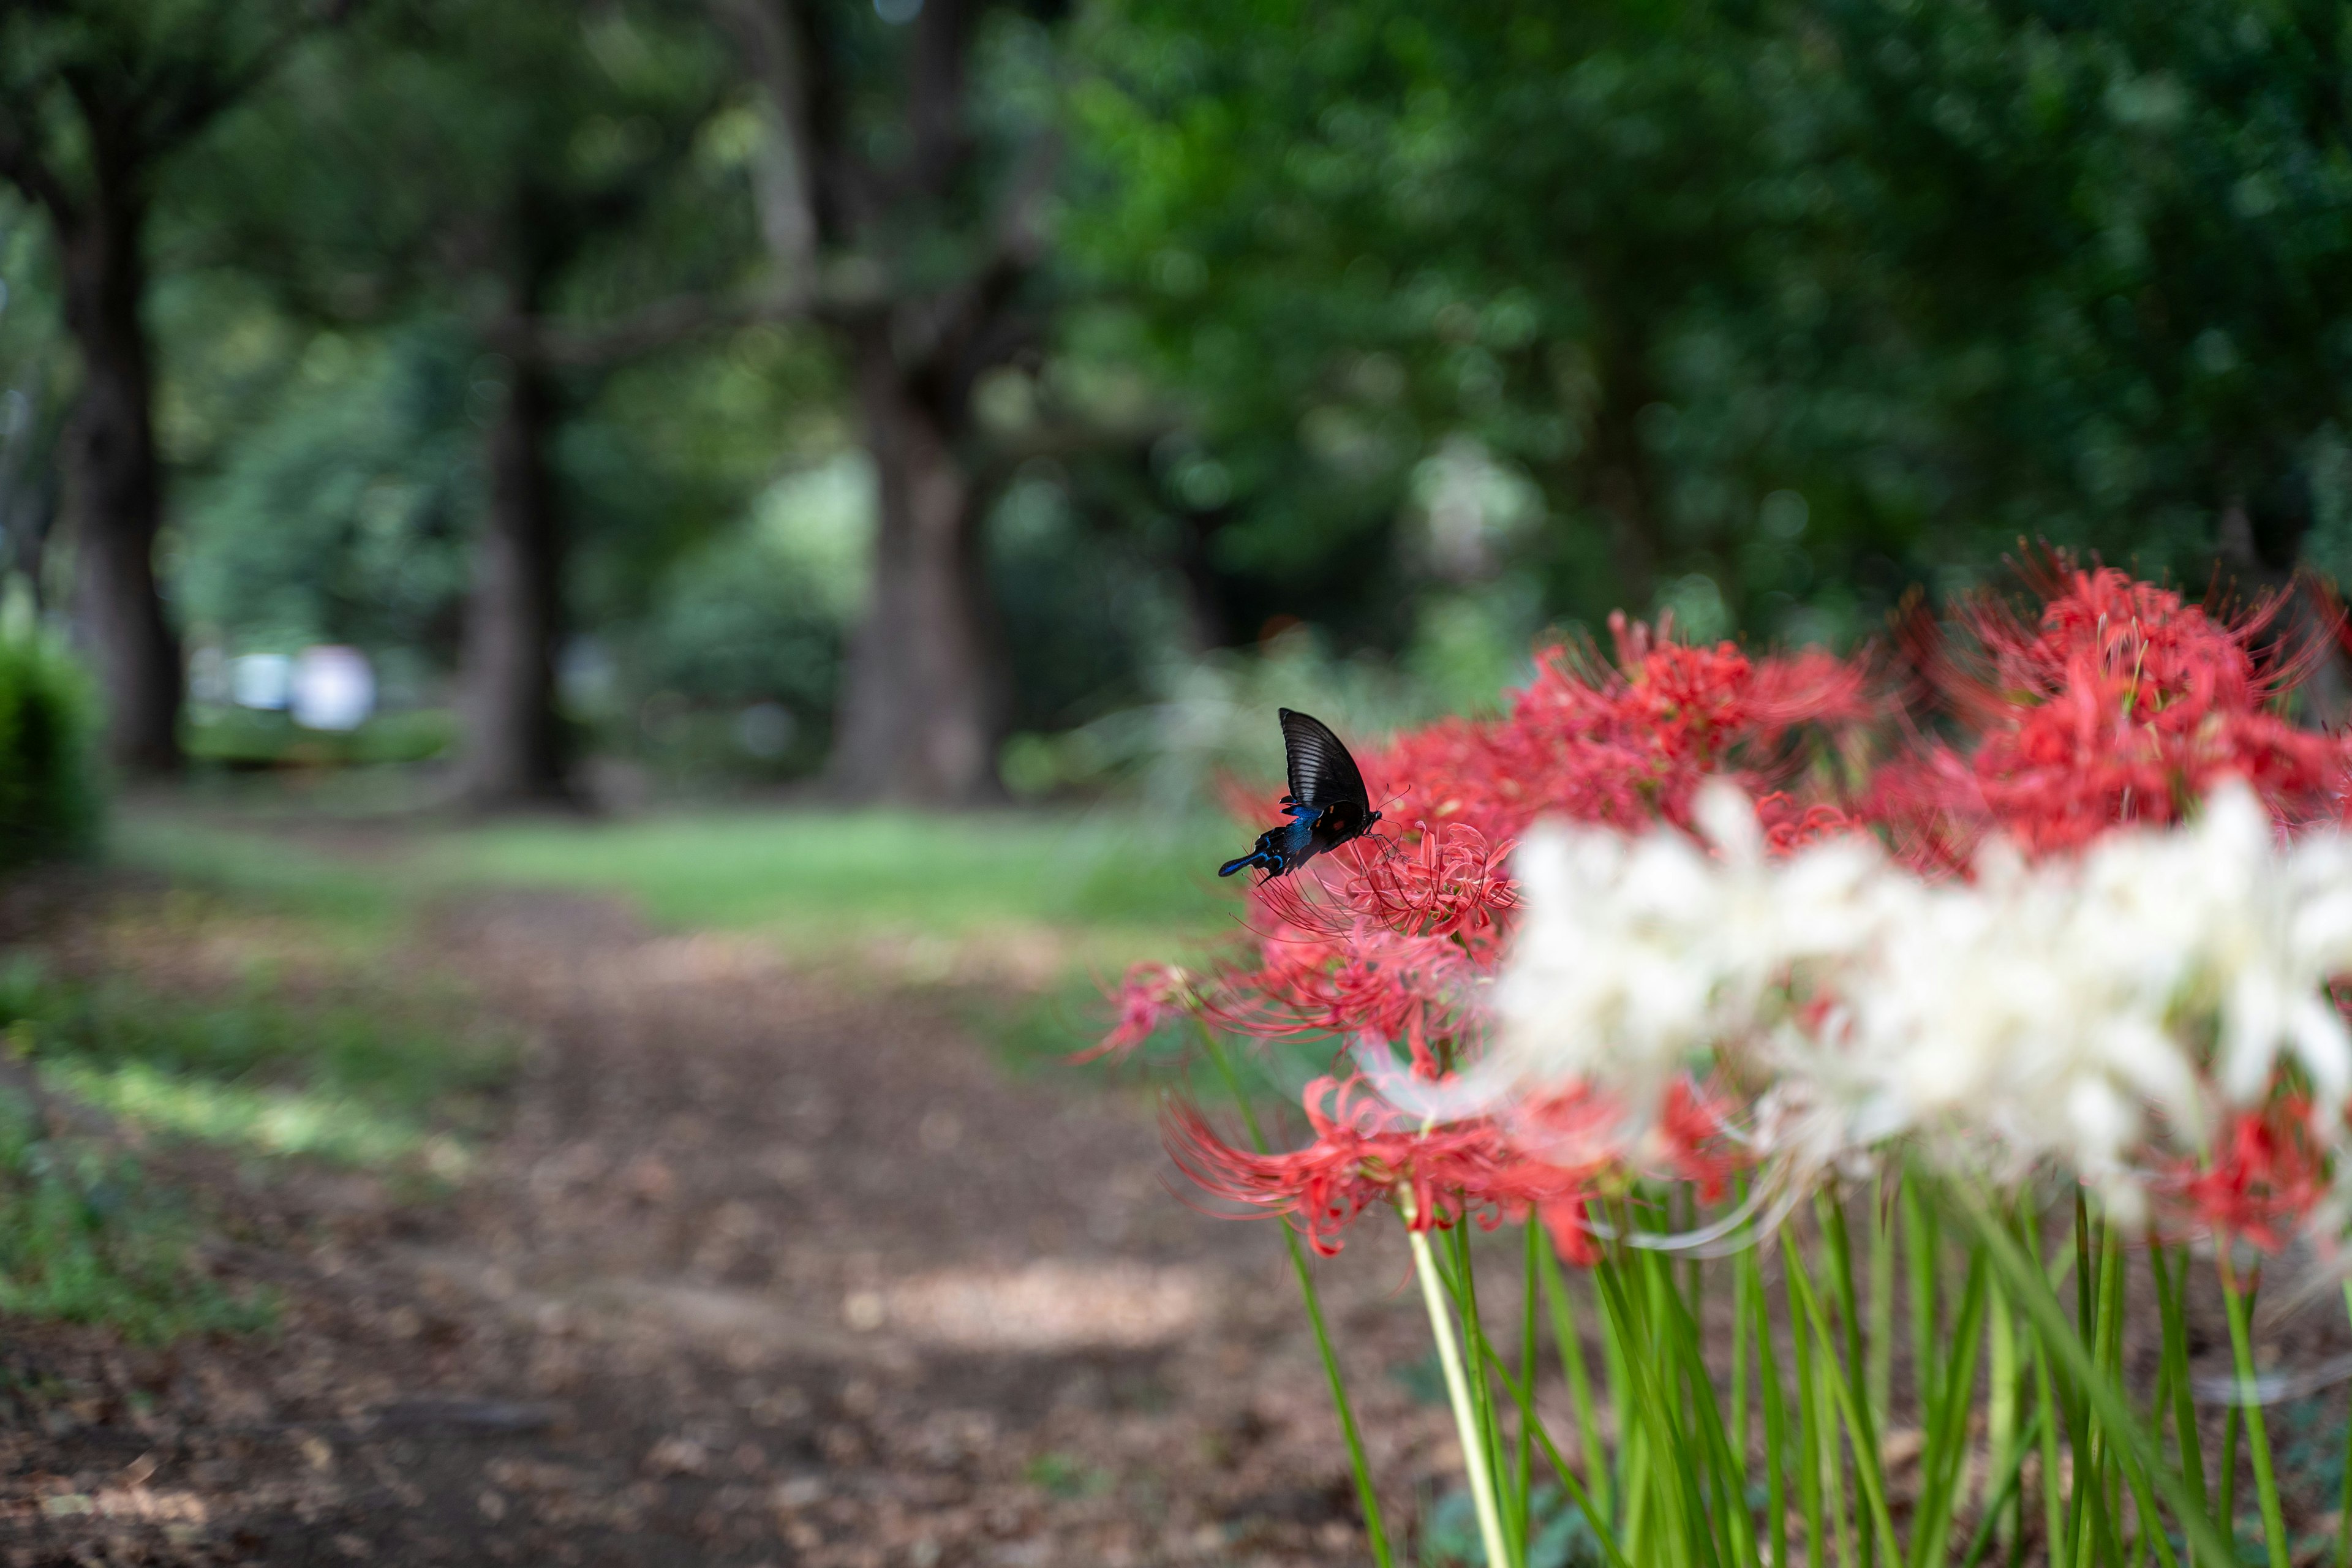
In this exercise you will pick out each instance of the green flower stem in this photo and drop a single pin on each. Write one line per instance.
(1810, 1465)
(2344, 1504)
(1943, 1421)
(1457, 1389)
(2232, 1424)
(1740, 1317)
(2031, 1286)
(1852, 1405)
(1580, 1387)
(2094, 1466)
(1465, 1284)
(1881, 1337)
(2172, 1307)
(1924, 1252)
(1521, 1521)
(1367, 1495)
(2131, 1468)
(2012, 1472)
(1521, 1395)
(1659, 1493)
(2089, 1542)
(2048, 1416)
(1863, 1427)
(2258, 1439)
(1831, 1461)
(2003, 1404)
(1776, 1417)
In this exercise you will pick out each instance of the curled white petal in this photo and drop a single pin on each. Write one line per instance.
(2105, 1012)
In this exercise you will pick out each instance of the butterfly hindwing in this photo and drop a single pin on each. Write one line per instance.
(1322, 774)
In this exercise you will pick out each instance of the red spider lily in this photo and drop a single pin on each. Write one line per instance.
(1627, 745)
(2121, 703)
(1364, 1153)
(1397, 945)
(2263, 1178)
(1452, 884)
(1375, 982)
(1564, 1143)
(1789, 827)
(1691, 1137)
(1150, 996)
(1394, 945)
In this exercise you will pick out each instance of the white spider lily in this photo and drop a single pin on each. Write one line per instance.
(2099, 1011)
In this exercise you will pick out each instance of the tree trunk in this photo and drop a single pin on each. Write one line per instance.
(1618, 478)
(29, 447)
(514, 752)
(113, 490)
(923, 697)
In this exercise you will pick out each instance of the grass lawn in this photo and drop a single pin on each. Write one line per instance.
(1085, 894)
(816, 879)
(1044, 907)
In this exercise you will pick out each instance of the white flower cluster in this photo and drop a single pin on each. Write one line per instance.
(2103, 1011)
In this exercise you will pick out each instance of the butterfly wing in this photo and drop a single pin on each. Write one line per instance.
(1322, 774)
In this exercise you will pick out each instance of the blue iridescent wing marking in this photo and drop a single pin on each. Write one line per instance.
(1328, 803)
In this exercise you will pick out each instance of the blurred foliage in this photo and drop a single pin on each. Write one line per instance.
(736, 661)
(89, 1240)
(361, 243)
(248, 738)
(1426, 329)
(1770, 309)
(1202, 723)
(359, 1080)
(343, 512)
(1559, 1534)
(49, 799)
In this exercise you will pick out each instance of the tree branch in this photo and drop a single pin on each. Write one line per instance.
(24, 168)
(206, 91)
(667, 322)
(963, 330)
(783, 181)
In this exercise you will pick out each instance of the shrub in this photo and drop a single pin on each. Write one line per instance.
(48, 785)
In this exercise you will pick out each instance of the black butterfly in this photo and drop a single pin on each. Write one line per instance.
(1327, 804)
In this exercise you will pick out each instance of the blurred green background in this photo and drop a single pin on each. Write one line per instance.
(850, 481)
(938, 403)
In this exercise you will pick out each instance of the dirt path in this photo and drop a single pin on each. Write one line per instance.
(761, 1270)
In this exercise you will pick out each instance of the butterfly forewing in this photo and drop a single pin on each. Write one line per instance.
(1322, 774)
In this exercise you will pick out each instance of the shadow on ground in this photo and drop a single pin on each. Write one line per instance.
(755, 1266)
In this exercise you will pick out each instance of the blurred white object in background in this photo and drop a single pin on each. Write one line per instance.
(764, 730)
(334, 688)
(260, 680)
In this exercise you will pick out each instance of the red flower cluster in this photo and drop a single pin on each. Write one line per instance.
(2118, 702)
(2265, 1176)
(1625, 745)
(1394, 946)
(1364, 1151)
(2121, 703)
(1397, 939)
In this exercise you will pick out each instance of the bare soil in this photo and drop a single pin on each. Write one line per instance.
(760, 1265)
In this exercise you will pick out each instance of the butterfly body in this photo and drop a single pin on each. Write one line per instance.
(1327, 805)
